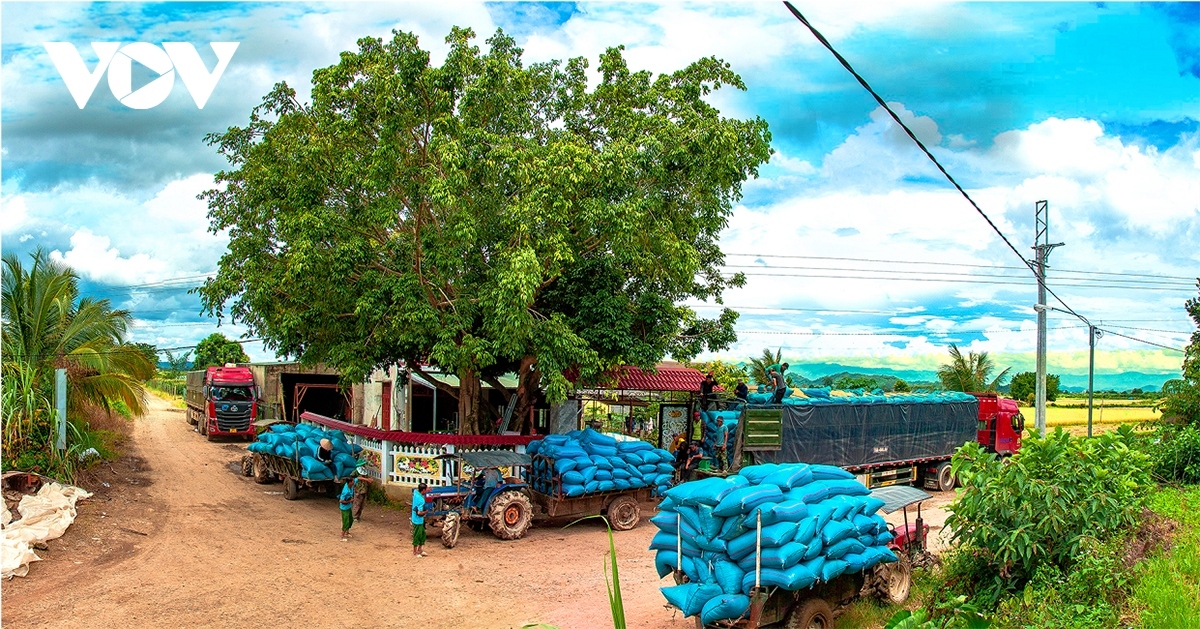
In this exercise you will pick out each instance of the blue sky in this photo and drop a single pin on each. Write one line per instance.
(1093, 107)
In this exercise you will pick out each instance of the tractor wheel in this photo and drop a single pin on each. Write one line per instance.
(202, 426)
(450, 528)
(894, 581)
(291, 490)
(945, 477)
(624, 513)
(811, 614)
(261, 475)
(248, 465)
(510, 514)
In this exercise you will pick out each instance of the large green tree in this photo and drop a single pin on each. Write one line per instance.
(970, 372)
(483, 215)
(48, 326)
(760, 364)
(216, 350)
(1024, 386)
(1181, 397)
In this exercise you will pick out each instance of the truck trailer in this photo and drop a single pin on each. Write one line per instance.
(883, 440)
(222, 401)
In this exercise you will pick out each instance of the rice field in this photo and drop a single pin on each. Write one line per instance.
(1106, 414)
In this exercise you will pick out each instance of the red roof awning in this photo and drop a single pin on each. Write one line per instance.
(663, 379)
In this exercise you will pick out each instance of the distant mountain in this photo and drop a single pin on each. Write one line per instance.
(814, 373)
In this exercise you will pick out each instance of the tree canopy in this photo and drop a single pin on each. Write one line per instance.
(483, 215)
(215, 350)
(970, 373)
(1024, 386)
(1181, 397)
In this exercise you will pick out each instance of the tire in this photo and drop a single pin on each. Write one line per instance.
(894, 581)
(202, 426)
(945, 477)
(624, 513)
(261, 475)
(813, 613)
(510, 514)
(291, 490)
(450, 529)
(248, 465)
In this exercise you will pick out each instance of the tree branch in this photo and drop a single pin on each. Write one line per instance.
(440, 386)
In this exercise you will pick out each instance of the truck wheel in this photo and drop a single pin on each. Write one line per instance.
(191, 417)
(261, 475)
(291, 490)
(624, 513)
(450, 528)
(202, 426)
(894, 581)
(510, 514)
(945, 477)
(811, 614)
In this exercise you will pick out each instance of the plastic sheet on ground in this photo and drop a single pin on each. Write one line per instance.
(44, 516)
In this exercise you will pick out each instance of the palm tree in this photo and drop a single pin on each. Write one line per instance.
(759, 366)
(47, 326)
(969, 373)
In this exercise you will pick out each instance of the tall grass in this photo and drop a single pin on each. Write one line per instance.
(1167, 595)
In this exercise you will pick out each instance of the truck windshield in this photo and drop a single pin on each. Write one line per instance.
(231, 394)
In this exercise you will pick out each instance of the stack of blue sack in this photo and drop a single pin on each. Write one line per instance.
(710, 429)
(300, 442)
(818, 523)
(817, 397)
(586, 461)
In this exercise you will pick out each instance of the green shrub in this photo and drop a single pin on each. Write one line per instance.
(1176, 454)
(1088, 596)
(1038, 508)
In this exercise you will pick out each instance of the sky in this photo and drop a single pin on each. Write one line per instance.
(857, 250)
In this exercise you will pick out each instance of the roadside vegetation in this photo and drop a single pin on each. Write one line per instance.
(47, 325)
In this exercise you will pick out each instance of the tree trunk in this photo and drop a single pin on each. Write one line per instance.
(468, 402)
(528, 387)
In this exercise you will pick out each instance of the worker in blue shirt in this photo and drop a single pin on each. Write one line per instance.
(720, 438)
(346, 504)
(418, 520)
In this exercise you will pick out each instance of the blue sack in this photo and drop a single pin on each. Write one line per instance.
(836, 531)
(621, 484)
(728, 575)
(756, 473)
(679, 595)
(603, 475)
(724, 607)
(788, 511)
(832, 569)
(573, 490)
(563, 466)
(789, 476)
(843, 548)
(772, 536)
(743, 499)
(574, 478)
(800, 576)
(829, 472)
(780, 558)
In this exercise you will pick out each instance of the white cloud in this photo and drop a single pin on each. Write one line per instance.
(91, 256)
(13, 214)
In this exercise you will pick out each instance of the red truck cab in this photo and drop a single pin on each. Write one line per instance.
(1000, 424)
(223, 401)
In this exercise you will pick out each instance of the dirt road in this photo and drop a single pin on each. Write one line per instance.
(179, 539)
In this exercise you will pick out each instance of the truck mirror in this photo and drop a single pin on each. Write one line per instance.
(1018, 422)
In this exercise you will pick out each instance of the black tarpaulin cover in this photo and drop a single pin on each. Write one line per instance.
(851, 435)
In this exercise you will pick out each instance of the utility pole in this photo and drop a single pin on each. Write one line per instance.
(1042, 249)
(1093, 334)
(60, 406)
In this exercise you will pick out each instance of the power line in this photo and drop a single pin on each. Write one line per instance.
(1073, 281)
(1133, 338)
(956, 264)
(921, 145)
(130, 347)
(961, 281)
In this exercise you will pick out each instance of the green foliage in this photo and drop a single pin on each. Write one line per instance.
(1024, 387)
(901, 386)
(1176, 454)
(969, 373)
(483, 212)
(612, 577)
(1180, 402)
(956, 613)
(1167, 592)
(759, 366)
(1012, 518)
(1089, 595)
(214, 350)
(48, 326)
(726, 374)
(855, 382)
(178, 363)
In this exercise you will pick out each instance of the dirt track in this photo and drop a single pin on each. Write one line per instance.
(221, 551)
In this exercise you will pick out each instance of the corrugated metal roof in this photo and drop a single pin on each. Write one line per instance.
(663, 379)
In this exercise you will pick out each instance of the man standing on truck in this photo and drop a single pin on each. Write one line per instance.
(741, 391)
(706, 391)
(779, 383)
(719, 440)
(418, 520)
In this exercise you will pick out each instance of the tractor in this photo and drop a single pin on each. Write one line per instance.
(488, 498)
